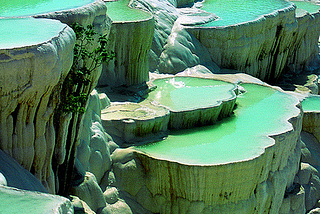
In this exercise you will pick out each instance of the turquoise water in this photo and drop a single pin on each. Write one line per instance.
(260, 112)
(187, 93)
(311, 103)
(234, 12)
(13, 8)
(21, 202)
(27, 31)
(308, 6)
(119, 11)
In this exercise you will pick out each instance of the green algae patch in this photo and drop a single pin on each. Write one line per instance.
(310, 7)
(311, 103)
(27, 31)
(233, 12)
(261, 112)
(119, 11)
(16, 8)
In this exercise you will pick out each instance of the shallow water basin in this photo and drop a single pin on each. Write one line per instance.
(119, 11)
(307, 6)
(233, 12)
(14, 8)
(311, 103)
(261, 112)
(34, 31)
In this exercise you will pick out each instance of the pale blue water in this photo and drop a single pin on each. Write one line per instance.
(261, 112)
(27, 31)
(14, 8)
(308, 6)
(119, 11)
(233, 12)
(311, 103)
(187, 93)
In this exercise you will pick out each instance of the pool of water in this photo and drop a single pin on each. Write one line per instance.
(21, 202)
(22, 32)
(307, 6)
(260, 112)
(119, 11)
(14, 8)
(234, 12)
(311, 103)
(188, 93)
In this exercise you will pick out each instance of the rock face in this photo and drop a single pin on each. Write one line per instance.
(93, 150)
(32, 131)
(27, 131)
(131, 42)
(134, 122)
(281, 42)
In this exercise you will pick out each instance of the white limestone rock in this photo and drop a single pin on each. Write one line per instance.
(311, 123)
(165, 15)
(129, 122)
(93, 150)
(3, 180)
(27, 106)
(90, 192)
(131, 42)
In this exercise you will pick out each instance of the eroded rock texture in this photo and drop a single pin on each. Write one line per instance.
(30, 79)
(265, 47)
(131, 42)
(254, 185)
(32, 131)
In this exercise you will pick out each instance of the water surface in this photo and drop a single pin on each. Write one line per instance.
(235, 12)
(13, 8)
(311, 103)
(187, 93)
(119, 11)
(260, 112)
(307, 6)
(22, 32)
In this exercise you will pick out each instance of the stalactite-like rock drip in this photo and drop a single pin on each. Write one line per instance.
(30, 78)
(263, 47)
(131, 42)
(306, 47)
(68, 125)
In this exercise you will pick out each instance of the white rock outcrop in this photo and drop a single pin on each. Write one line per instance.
(27, 106)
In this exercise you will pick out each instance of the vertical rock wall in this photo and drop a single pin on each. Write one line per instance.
(264, 47)
(131, 42)
(30, 78)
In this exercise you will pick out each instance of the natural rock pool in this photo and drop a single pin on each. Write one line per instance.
(233, 12)
(16, 8)
(311, 103)
(261, 112)
(306, 6)
(119, 11)
(34, 31)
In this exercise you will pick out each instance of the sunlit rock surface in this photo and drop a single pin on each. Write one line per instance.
(133, 122)
(311, 118)
(130, 39)
(93, 150)
(27, 105)
(20, 201)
